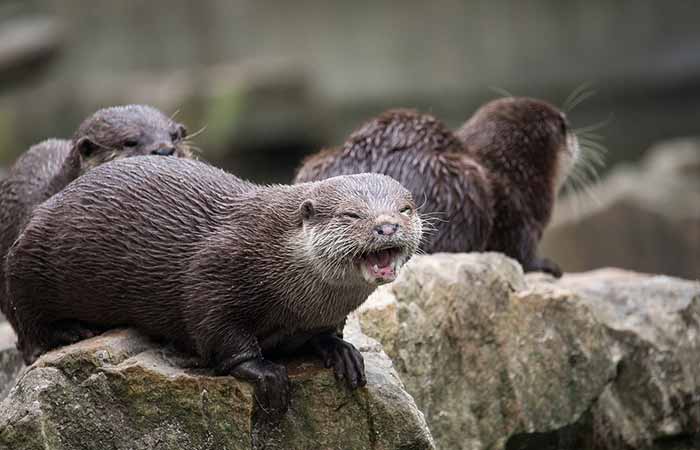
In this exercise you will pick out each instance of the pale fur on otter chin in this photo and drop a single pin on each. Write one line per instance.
(334, 256)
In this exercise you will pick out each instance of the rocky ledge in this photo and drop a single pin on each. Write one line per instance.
(496, 360)
(119, 391)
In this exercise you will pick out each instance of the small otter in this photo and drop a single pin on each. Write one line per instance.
(528, 149)
(490, 186)
(47, 167)
(223, 268)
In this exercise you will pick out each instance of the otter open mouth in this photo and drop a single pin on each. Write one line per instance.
(382, 266)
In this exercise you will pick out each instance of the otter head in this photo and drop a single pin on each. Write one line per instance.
(359, 229)
(125, 131)
(534, 131)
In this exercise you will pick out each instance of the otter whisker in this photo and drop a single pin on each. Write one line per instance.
(595, 126)
(193, 148)
(196, 133)
(423, 203)
(578, 95)
(581, 99)
(501, 91)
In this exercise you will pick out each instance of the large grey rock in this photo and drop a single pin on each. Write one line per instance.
(644, 218)
(500, 361)
(655, 323)
(119, 391)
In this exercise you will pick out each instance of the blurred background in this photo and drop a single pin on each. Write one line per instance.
(272, 81)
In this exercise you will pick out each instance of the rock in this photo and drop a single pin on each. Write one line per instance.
(654, 399)
(10, 360)
(496, 360)
(122, 392)
(486, 357)
(646, 218)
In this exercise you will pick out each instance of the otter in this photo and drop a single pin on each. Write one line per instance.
(489, 186)
(224, 269)
(47, 167)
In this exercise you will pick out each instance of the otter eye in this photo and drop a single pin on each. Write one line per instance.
(131, 143)
(174, 136)
(351, 215)
(406, 210)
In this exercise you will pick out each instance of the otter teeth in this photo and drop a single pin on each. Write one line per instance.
(381, 266)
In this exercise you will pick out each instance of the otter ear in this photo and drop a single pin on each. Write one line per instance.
(85, 147)
(307, 210)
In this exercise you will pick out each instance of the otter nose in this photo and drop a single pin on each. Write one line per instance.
(386, 228)
(163, 151)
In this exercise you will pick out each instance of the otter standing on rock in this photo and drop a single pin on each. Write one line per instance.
(47, 167)
(490, 186)
(224, 268)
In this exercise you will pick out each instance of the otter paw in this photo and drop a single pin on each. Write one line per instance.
(346, 360)
(546, 265)
(271, 384)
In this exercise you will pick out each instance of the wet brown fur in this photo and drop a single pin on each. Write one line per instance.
(520, 142)
(49, 166)
(423, 155)
(188, 253)
(489, 186)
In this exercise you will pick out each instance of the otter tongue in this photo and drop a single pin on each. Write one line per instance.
(380, 265)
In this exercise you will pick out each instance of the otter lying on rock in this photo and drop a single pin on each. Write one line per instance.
(47, 167)
(490, 186)
(223, 268)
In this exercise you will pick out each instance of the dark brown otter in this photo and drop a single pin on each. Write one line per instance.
(490, 186)
(528, 150)
(224, 268)
(46, 168)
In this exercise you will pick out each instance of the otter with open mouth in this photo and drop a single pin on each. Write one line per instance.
(225, 269)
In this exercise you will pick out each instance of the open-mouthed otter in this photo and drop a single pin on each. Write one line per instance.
(223, 268)
(47, 167)
(490, 186)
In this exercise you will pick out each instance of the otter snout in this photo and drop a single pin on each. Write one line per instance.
(386, 228)
(164, 150)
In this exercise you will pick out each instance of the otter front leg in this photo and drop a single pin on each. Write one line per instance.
(238, 354)
(526, 252)
(346, 360)
(271, 384)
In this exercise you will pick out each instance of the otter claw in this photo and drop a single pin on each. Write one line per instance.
(271, 384)
(347, 362)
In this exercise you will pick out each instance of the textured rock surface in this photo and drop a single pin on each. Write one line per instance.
(118, 391)
(645, 218)
(655, 323)
(10, 359)
(496, 360)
